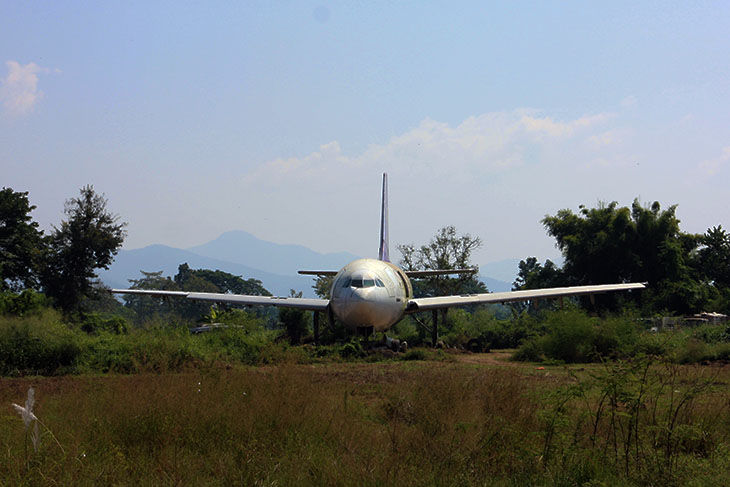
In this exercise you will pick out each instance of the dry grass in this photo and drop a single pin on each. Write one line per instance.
(391, 423)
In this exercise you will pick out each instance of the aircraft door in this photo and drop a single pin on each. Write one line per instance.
(391, 282)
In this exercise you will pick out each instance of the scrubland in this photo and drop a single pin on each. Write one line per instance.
(590, 402)
(641, 422)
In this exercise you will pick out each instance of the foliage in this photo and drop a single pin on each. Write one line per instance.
(323, 286)
(611, 244)
(533, 275)
(21, 304)
(572, 336)
(714, 256)
(446, 250)
(294, 321)
(37, 344)
(97, 322)
(87, 240)
(187, 279)
(21, 243)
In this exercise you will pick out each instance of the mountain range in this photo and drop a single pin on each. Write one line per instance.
(242, 254)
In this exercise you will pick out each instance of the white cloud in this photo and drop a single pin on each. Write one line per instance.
(19, 91)
(607, 138)
(488, 171)
(629, 102)
(548, 126)
(712, 166)
(490, 143)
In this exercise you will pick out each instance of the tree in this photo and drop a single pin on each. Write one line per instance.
(713, 261)
(21, 243)
(446, 250)
(87, 240)
(223, 281)
(533, 275)
(323, 286)
(609, 244)
(714, 256)
(198, 280)
(295, 321)
(145, 307)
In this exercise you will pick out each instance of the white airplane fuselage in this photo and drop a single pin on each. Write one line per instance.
(370, 293)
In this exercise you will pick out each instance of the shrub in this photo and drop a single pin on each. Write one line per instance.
(570, 337)
(95, 322)
(414, 355)
(22, 304)
(37, 345)
(529, 351)
(351, 349)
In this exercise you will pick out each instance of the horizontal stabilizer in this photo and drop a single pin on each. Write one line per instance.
(439, 272)
(318, 273)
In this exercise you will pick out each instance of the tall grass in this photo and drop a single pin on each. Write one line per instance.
(395, 423)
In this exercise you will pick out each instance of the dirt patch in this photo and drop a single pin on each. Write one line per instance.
(493, 358)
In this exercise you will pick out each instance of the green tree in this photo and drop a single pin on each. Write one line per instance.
(146, 307)
(714, 256)
(87, 240)
(323, 286)
(223, 282)
(533, 275)
(21, 243)
(294, 321)
(196, 280)
(611, 244)
(446, 250)
(713, 261)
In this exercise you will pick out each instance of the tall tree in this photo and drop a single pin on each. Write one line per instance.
(533, 275)
(714, 256)
(446, 250)
(87, 240)
(21, 243)
(713, 261)
(643, 244)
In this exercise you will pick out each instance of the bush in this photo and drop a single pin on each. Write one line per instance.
(529, 351)
(93, 323)
(37, 345)
(414, 355)
(351, 349)
(570, 337)
(27, 302)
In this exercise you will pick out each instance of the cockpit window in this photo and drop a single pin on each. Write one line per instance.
(346, 283)
(379, 283)
(361, 283)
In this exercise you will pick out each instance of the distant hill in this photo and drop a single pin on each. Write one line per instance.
(153, 258)
(494, 285)
(242, 254)
(243, 248)
(504, 271)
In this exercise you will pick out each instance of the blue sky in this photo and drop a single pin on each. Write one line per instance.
(277, 117)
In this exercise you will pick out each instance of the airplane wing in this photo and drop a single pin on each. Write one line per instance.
(423, 304)
(318, 273)
(242, 299)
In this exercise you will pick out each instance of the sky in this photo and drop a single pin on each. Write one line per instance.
(278, 117)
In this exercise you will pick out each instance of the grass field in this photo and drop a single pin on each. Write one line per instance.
(477, 420)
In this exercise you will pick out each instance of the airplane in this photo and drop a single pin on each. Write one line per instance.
(371, 295)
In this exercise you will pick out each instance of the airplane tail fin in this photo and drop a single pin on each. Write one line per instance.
(383, 252)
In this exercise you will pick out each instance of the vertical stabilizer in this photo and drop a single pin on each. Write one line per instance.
(383, 252)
